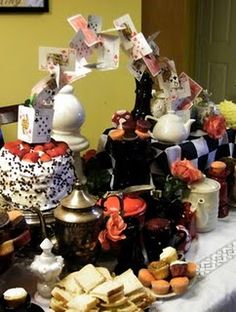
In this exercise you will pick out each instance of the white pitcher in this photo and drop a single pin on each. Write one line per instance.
(204, 196)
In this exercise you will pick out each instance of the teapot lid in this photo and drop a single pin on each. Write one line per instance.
(205, 186)
(79, 198)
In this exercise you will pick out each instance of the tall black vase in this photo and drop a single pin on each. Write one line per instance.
(131, 162)
(143, 97)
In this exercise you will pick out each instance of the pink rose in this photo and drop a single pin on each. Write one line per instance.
(186, 171)
(113, 232)
(115, 227)
(215, 126)
(102, 237)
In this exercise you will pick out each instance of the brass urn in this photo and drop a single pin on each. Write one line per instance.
(78, 221)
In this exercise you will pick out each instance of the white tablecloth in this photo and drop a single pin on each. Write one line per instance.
(215, 289)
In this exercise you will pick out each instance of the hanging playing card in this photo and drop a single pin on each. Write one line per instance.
(128, 32)
(44, 91)
(50, 57)
(80, 71)
(152, 64)
(137, 68)
(140, 47)
(95, 23)
(78, 22)
(108, 52)
(195, 88)
(81, 48)
(152, 43)
(168, 78)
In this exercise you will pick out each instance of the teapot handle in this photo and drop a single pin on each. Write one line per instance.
(185, 242)
(151, 117)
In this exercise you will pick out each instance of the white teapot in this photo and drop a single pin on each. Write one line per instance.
(204, 196)
(170, 128)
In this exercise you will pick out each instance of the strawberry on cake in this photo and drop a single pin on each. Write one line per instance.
(36, 175)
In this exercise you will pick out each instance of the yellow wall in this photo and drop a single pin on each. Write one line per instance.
(101, 93)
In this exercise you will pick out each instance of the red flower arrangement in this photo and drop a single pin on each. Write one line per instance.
(186, 171)
(113, 231)
(215, 126)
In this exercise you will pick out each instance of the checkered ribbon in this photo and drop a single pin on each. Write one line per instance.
(200, 150)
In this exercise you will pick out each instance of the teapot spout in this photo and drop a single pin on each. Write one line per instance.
(202, 215)
(188, 124)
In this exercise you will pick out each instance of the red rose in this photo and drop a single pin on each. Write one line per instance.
(186, 171)
(215, 126)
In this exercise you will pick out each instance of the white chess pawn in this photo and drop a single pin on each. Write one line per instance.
(47, 268)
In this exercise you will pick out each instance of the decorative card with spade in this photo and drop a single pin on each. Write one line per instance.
(34, 124)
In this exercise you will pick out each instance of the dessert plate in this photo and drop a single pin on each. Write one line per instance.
(171, 294)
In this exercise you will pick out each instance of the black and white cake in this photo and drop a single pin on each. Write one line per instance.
(37, 175)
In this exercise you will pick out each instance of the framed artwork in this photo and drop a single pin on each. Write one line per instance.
(24, 6)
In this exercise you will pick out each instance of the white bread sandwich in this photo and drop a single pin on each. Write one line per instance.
(57, 306)
(61, 295)
(109, 291)
(130, 281)
(88, 277)
(105, 272)
(82, 303)
(70, 284)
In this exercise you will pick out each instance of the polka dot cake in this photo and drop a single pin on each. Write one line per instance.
(36, 175)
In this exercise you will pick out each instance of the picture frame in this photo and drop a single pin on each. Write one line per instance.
(24, 6)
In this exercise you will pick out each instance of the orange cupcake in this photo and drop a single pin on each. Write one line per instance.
(191, 269)
(179, 284)
(160, 287)
(116, 134)
(145, 277)
(159, 269)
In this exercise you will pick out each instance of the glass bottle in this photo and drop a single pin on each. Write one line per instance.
(218, 172)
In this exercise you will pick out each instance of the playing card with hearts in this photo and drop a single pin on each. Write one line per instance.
(140, 47)
(195, 88)
(108, 52)
(50, 57)
(34, 124)
(137, 68)
(184, 86)
(127, 32)
(80, 71)
(152, 64)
